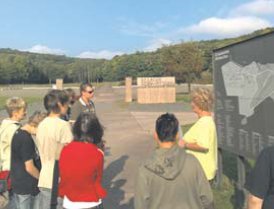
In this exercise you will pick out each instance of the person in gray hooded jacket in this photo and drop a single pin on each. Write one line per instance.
(171, 178)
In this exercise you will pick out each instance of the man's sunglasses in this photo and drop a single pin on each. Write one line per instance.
(90, 92)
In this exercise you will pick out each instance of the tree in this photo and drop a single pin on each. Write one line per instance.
(184, 61)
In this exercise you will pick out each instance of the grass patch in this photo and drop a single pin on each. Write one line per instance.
(31, 100)
(182, 97)
(224, 197)
(2, 102)
(28, 99)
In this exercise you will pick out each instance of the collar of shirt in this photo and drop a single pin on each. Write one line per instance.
(82, 102)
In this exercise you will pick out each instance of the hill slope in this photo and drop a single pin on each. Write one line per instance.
(18, 67)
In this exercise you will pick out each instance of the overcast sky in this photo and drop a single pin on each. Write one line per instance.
(105, 28)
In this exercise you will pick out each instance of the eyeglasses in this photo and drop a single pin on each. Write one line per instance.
(90, 92)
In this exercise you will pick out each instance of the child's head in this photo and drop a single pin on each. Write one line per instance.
(56, 101)
(35, 119)
(71, 94)
(16, 108)
(167, 128)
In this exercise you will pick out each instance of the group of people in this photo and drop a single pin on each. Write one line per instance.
(55, 160)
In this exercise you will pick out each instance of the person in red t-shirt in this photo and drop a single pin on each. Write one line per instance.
(81, 165)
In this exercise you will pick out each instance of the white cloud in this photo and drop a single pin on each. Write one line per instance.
(156, 44)
(240, 20)
(41, 49)
(104, 54)
(227, 27)
(257, 8)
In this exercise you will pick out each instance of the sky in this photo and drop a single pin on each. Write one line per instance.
(105, 28)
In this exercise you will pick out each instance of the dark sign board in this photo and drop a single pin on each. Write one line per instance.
(244, 93)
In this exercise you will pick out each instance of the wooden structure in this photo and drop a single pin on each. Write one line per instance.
(128, 89)
(59, 84)
(153, 90)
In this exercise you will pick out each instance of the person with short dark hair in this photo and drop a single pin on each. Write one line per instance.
(72, 98)
(52, 134)
(171, 178)
(71, 94)
(25, 164)
(84, 103)
(80, 183)
(55, 101)
(260, 182)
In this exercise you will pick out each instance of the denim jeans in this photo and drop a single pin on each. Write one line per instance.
(26, 201)
(45, 199)
(11, 200)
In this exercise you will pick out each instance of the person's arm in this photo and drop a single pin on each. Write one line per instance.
(27, 152)
(141, 197)
(192, 146)
(195, 147)
(65, 137)
(254, 202)
(259, 180)
(31, 169)
(74, 112)
(198, 137)
(100, 167)
(205, 191)
(10, 133)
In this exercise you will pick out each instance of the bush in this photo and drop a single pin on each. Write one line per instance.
(206, 77)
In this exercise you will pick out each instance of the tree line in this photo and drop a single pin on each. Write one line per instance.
(186, 61)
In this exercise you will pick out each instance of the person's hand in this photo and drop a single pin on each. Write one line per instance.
(182, 143)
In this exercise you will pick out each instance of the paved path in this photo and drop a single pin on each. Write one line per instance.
(127, 146)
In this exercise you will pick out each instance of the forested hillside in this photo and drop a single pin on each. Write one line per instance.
(187, 61)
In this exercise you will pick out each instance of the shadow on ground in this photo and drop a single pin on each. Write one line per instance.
(114, 187)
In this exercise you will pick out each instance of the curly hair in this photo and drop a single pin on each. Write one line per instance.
(203, 98)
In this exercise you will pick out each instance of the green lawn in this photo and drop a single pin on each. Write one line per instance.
(31, 95)
(28, 99)
(182, 97)
(2, 102)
